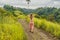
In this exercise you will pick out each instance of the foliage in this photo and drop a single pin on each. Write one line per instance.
(10, 29)
(9, 8)
(48, 13)
(53, 28)
(45, 17)
(51, 14)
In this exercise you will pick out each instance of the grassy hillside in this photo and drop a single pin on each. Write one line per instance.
(10, 29)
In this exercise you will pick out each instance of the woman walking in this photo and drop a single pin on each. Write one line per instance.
(31, 24)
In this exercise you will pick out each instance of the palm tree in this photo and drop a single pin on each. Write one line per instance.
(28, 1)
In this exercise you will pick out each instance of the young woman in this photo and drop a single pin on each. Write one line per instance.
(31, 24)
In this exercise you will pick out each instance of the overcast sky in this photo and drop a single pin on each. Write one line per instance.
(33, 3)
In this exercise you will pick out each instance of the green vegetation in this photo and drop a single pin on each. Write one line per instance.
(51, 14)
(47, 19)
(10, 29)
(53, 28)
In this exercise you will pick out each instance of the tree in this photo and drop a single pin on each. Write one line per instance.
(9, 8)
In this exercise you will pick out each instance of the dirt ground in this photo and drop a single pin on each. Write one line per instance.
(38, 34)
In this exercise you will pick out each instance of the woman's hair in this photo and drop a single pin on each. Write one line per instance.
(31, 16)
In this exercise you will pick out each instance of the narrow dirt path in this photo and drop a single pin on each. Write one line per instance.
(37, 35)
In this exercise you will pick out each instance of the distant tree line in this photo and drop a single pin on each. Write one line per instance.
(49, 13)
(52, 14)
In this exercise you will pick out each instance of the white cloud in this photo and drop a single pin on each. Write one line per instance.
(33, 3)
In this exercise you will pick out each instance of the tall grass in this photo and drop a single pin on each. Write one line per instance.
(53, 28)
(10, 29)
(21, 17)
